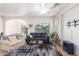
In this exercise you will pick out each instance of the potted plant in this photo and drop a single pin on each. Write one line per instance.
(52, 34)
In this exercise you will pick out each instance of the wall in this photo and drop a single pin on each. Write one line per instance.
(58, 25)
(71, 33)
(1, 25)
(34, 21)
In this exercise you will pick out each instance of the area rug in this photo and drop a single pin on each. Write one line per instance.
(35, 50)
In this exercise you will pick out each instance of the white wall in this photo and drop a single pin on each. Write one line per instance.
(58, 25)
(1, 25)
(71, 33)
(34, 21)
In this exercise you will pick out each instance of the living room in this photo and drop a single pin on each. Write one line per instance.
(54, 23)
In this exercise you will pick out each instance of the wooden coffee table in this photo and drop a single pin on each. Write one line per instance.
(36, 41)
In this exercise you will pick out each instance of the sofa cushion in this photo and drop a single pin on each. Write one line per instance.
(15, 42)
(12, 38)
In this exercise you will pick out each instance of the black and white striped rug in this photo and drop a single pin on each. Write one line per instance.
(35, 50)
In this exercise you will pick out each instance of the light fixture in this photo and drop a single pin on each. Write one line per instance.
(43, 9)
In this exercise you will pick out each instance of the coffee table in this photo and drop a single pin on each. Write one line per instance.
(35, 41)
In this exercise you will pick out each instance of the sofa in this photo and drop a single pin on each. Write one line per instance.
(40, 36)
(11, 44)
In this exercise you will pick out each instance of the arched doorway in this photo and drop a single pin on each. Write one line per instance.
(15, 26)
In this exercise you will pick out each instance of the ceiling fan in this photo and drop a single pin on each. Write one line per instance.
(44, 10)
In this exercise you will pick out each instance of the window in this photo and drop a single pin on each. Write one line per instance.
(43, 27)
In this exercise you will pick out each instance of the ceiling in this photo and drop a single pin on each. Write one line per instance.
(30, 9)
